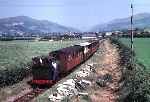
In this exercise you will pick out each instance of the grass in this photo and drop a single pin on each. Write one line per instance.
(14, 54)
(141, 48)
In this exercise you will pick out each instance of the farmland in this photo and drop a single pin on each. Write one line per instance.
(142, 49)
(15, 54)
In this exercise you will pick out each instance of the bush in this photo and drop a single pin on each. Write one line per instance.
(139, 84)
(13, 75)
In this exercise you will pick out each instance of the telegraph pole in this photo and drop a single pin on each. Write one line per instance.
(132, 47)
(132, 33)
(132, 27)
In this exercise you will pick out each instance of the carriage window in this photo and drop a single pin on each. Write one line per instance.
(74, 54)
(79, 54)
(69, 58)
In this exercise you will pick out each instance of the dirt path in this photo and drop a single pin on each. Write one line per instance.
(109, 65)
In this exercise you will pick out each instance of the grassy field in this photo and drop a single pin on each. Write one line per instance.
(14, 54)
(142, 49)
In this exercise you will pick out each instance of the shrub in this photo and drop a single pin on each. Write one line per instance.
(13, 75)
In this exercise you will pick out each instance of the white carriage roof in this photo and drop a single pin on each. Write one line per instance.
(84, 44)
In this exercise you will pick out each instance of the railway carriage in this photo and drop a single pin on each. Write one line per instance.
(95, 46)
(70, 57)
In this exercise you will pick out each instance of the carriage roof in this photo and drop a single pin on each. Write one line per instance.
(84, 44)
(71, 49)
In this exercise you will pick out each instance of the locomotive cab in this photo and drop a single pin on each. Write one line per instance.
(44, 70)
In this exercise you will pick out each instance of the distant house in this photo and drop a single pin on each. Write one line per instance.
(108, 33)
(88, 36)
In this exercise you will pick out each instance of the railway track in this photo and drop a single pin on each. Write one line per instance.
(27, 97)
(28, 94)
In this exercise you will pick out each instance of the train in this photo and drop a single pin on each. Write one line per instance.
(47, 70)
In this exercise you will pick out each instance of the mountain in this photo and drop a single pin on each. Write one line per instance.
(24, 24)
(141, 20)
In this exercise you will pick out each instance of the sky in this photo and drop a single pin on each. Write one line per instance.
(80, 14)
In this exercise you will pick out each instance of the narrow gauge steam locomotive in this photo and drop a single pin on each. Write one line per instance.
(49, 69)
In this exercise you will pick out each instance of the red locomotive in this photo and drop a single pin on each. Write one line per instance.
(47, 70)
